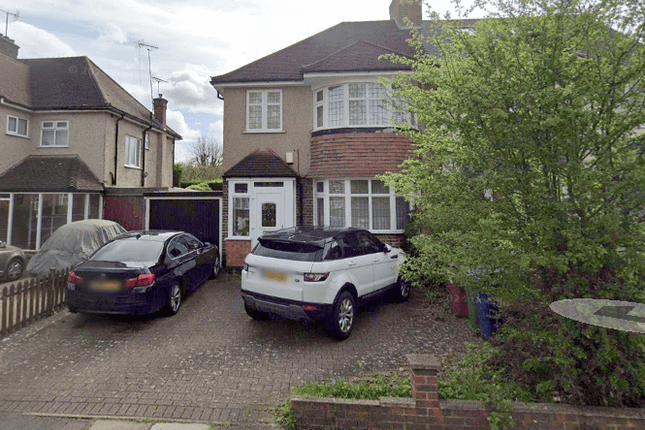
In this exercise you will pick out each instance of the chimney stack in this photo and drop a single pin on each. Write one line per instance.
(159, 109)
(7, 47)
(410, 9)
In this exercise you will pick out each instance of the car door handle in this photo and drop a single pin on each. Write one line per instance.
(351, 263)
(394, 257)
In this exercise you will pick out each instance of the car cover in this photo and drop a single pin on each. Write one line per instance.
(71, 244)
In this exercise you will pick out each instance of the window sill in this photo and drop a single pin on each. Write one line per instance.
(264, 131)
(54, 146)
(17, 135)
(132, 167)
(247, 238)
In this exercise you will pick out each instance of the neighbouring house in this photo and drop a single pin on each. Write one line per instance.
(307, 132)
(75, 145)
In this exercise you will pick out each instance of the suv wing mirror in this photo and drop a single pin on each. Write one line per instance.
(386, 248)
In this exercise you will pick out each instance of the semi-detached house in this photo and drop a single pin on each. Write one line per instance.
(307, 131)
(74, 145)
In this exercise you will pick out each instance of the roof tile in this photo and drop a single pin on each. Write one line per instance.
(49, 173)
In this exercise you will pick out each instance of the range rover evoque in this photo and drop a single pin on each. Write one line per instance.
(320, 274)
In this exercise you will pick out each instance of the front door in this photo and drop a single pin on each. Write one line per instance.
(269, 212)
(272, 207)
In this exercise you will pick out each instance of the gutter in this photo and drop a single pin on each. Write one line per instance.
(143, 154)
(13, 105)
(116, 148)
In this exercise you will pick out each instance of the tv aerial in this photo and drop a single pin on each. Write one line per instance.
(7, 13)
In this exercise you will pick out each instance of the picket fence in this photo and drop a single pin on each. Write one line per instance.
(30, 300)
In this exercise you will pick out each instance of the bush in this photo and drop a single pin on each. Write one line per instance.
(213, 185)
(559, 359)
(379, 386)
(203, 186)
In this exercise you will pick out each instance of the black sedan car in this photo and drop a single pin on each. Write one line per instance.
(141, 273)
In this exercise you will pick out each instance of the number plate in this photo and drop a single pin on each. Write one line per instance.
(106, 286)
(275, 276)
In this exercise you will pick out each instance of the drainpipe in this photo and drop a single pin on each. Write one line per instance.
(116, 149)
(143, 154)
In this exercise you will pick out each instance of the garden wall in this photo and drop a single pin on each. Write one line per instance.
(424, 411)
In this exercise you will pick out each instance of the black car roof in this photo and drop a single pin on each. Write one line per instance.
(151, 235)
(308, 234)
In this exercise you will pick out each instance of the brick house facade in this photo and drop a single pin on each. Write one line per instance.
(307, 131)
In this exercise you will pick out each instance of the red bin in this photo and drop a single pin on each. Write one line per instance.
(458, 303)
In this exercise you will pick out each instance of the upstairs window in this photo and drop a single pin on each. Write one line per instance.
(17, 126)
(264, 111)
(55, 133)
(355, 105)
(132, 152)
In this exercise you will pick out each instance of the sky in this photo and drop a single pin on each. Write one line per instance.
(193, 40)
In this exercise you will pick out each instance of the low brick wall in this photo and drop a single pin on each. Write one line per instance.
(236, 251)
(424, 411)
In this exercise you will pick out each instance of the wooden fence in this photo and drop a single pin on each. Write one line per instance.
(30, 300)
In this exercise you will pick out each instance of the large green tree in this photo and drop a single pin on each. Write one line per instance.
(531, 167)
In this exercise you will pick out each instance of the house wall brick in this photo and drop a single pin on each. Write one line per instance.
(426, 411)
(357, 155)
(127, 210)
(236, 251)
(305, 211)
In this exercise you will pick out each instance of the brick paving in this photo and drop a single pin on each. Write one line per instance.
(208, 363)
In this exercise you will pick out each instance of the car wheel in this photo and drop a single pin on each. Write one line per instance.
(14, 269)
(174, 300)
(216, 269)
(341, 320)
(402, 290)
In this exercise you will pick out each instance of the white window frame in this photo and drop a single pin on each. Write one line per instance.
(265, 110)
(347, 195)
(390, 116)
(55, 127)
(239, 195)
(16, 130)
(132, 152)
(37, 212)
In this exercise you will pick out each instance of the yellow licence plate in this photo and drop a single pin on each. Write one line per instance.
(106, 286)
(275, 276)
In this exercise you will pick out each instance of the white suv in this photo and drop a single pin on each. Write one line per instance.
(310, 274)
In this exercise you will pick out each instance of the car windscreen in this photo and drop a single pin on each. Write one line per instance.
(138, 251)
(288, 250)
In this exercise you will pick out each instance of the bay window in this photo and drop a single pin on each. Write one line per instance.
(355, 105)
(361, 203)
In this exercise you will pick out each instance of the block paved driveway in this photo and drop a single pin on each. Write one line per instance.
(210, 362)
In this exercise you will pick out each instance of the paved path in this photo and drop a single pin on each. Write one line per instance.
(209, 363)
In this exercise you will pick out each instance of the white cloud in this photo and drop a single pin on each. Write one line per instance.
(37, 43)
(190, 89)
(176, 121)
(113, 33)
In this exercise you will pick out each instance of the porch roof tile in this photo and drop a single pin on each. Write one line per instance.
(263, 163)
(38, 173)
